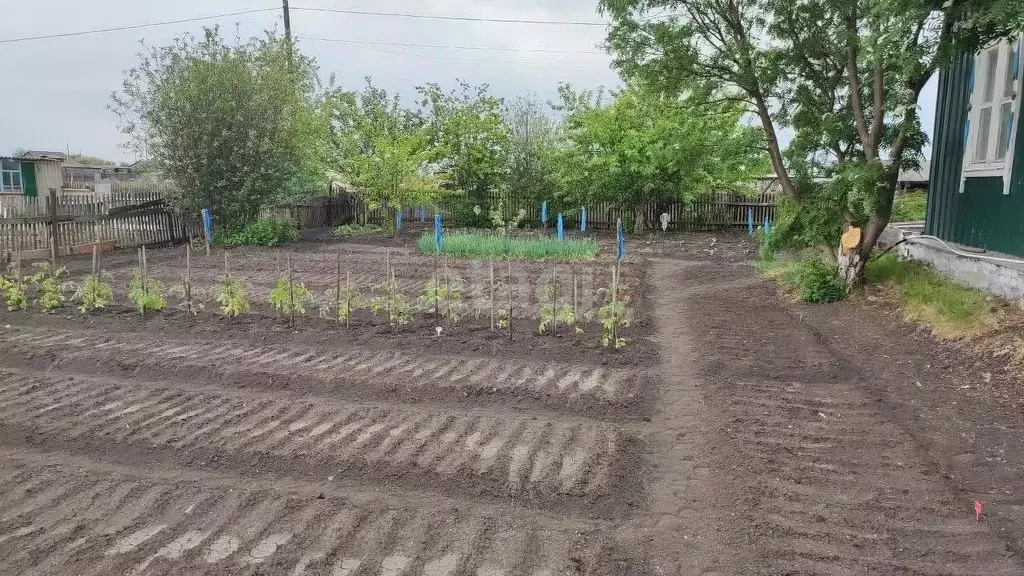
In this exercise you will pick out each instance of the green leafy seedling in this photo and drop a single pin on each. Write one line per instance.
(94, 293)
(286, 300)
(49, 290)
(231, 297)
(146, 293)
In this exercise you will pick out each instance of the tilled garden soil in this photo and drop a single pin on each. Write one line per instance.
(735, 434)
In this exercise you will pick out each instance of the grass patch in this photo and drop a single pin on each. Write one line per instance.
(909, 207)
(811, 280)
(951, 310)
(357, 229)
(490, 246)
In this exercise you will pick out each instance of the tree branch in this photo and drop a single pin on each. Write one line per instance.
(853, 78)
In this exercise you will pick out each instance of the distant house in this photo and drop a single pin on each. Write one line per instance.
(914, 179)
(77, 173)
(976, 196)
(31, 174)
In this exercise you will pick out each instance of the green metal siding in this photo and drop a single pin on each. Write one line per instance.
(948, 149)
(982, 215)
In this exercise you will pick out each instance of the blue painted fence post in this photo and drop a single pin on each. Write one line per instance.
(583, 219)
(767, 227)
(398, 220)
(207, 225)
(750, 221)
(561, 229)
(437, 232)
(423, 214)
(544, 213)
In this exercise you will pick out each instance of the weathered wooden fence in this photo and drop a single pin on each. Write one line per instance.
(711, 212)
(129, 216)
(320, 212)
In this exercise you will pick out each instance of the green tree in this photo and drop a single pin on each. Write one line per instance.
(90, 160)
(235, 125)
(534, 143)
(383, 151)
(470, 139)
(646, 147)
(844, 75)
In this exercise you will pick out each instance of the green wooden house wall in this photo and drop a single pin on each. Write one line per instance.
(982, 215)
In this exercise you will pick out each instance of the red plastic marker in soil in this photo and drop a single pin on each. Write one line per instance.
(977, 510)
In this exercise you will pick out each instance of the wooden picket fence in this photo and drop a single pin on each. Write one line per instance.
(718, 211)
(126, 216)
(320, 212)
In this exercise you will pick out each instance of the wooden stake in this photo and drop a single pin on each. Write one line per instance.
(492, 295)
(348, 297)
(509, 299)
(227, 273)
(447, 292)
(291, 292)
(337, 286)
(554, 302)
(437, 285)
(188, 275)
(575, 295)
(94, 253)
(615, 296)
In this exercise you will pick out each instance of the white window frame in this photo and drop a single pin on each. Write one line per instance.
(11, 189)
(1008, 51)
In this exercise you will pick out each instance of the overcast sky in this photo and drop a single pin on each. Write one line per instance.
(54, 93)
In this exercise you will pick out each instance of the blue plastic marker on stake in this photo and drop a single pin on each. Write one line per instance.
(750, 221)
(767, 227)
(398, 220)
(561, 229)
(544, 213)
(437, 232)
(207, 225)
(583, 218)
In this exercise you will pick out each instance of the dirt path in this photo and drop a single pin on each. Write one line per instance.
(790, 464)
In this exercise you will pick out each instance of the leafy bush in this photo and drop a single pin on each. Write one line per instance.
(819, 282)
(263, 233)
(94, 293)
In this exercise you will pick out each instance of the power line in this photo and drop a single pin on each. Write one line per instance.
(450, 46)
(433, 57)
(134, 26)
(457, 18)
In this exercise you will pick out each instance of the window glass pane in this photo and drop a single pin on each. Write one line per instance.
(7, 179)
(984, 130)
(1005, 126)
(1011, 63)
(9, 164)
(16, 179)
(991, 60)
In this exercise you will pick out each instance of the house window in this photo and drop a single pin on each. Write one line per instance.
(10, 170)
(993, 111)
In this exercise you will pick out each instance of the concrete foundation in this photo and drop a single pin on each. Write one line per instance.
(1005, 279)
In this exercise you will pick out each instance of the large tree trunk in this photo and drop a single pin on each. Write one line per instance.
(640, 211)
(857, 244)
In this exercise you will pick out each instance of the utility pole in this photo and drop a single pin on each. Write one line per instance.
(287, 29)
